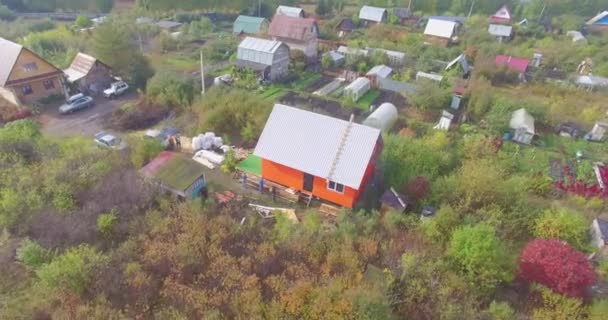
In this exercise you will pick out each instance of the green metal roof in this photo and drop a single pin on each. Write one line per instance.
(248, 24)
(174, 169)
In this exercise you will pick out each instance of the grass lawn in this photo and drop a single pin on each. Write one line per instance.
(174, 63)
(367, 99)
(306, 81)
(272, 92)
(253, 164)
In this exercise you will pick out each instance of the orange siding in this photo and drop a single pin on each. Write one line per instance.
(346, 199)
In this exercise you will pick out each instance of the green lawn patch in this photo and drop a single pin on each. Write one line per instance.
(253, 164)
(367, 99)
(306, 81)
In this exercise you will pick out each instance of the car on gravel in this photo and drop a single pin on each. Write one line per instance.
(76, 104)
(109, 141)
(116, 89)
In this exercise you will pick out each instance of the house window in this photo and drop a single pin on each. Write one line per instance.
(27, 89)
(48, 84)
(29, 67)
(337, 187)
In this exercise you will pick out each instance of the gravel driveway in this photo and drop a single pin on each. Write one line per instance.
(86, 122)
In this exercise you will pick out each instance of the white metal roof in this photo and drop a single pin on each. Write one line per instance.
(289, 11)
(383, 118)
(597, 18)
(372, 13)
(358, 84)
(381, 71)
(440, 28)
(10, 53)
(576, 36)
(352, 51)
(258, 50)
(464, 64)
(499, 30)
(429, 76)
(522, 119)
(311, 143)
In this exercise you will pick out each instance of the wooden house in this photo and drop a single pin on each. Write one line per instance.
(268, 57)
(501, 32)
(25, 77)
(325, 157)
(370, 16)
(89, 74)
(404, 15)
(297, 33)
(176, 173)
(513, 64)
(599, 234)
(345, 26)
(523, 125)
(442, 32)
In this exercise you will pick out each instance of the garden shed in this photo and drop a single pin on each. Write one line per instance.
(599, 22)
(523, 124)
(428, 76)
(345, 26)
(372, 15)
(445, 121)
(383, 118)
(501, 32)
(391, 200)
(358, 88)
(176, 173)
(297, 33)
(599, 233)
(89, 74)
(577, 37)
(250, 25)
(440, 31)
(290, 11)
(461, 61)
(503, 15)
(598, 132)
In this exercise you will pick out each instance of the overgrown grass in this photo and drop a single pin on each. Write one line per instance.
(367, 99)
(306, 80)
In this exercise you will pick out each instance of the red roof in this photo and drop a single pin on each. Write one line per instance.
(513, 63)
(503, 15)
(291, 28)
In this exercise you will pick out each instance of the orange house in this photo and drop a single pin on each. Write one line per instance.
(330, 158)
(25, 77)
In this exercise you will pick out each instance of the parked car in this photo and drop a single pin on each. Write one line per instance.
(106, 140)
(73, 105)
(162, 135)
(116, 89)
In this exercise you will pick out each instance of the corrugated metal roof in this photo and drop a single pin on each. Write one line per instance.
(440, 28)
(372, 13)
(10, 53)
(287, 27)
(576, 36)
(500, 30)
(599, 17)
(513, 63)
(352, 51)
(381, 71)
(290, 11)
(309, 142)
(428, 76)
(462, 60)
(358, 84)
(258, 50)
(248, 24)
(168, 24)
(80, 67)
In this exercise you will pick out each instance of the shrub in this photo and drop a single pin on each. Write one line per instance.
(556, 265)
(33, 255)
(564, 225)
(144, 151)
(171, 90)
(137, 116)
(106, 222)
(6, 13)
(83, 22)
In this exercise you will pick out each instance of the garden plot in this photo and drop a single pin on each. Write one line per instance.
(330, 87)
(320, 105)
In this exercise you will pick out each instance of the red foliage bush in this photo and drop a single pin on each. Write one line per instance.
(555, 264)
(142, 114)
(418, 188)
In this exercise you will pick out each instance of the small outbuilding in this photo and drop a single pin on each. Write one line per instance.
(501, 32)
(404, 15)
(168, 26)
(514, 64)
(297, 33)
(570, 130)
(440, 31)
(591, 82)
(462, 62)
(176, 173)
(391, 200)
(598, 133)
(599, 233)
(290, 11)
(358, 88)
(269, 58)
(250, 25)
(345, 26)
(445, 121)
(337, 58)
(372, 15)
(577, 37)
(89, 74)
(383, 118)
(395, 58)
(523, 124)
(428, 76)
(378, 72)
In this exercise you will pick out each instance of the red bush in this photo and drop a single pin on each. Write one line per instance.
(418, 188)
(556, 265)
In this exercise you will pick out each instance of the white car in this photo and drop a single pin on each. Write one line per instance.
(116, 89)
(106, 140)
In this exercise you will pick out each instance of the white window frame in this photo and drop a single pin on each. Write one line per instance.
(335, 188)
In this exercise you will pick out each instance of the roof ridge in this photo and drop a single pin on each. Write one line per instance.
(343, 138)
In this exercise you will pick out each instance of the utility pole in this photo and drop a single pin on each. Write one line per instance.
(259, 8)
(202, 75)
(471, 9)
(542, 11)
(409, 6)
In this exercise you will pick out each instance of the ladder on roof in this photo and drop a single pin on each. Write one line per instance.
(343, 139)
